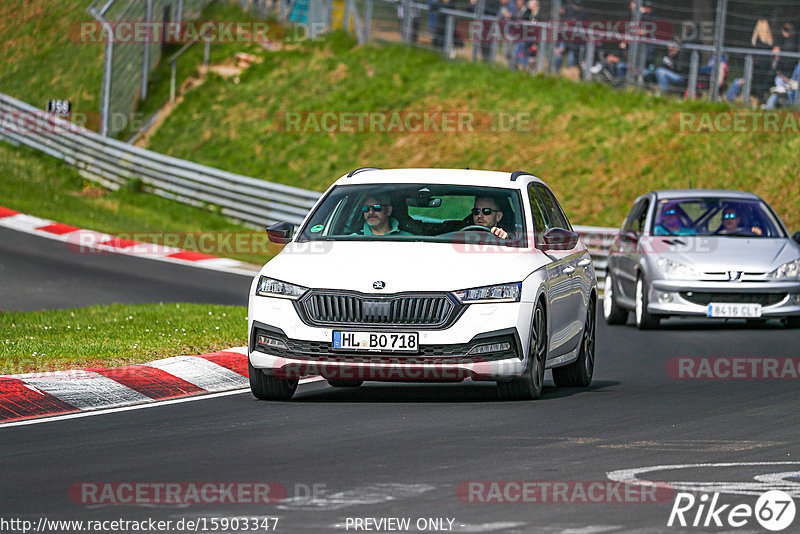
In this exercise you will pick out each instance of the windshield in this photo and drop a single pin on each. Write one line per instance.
(418, 212)
(715, 216)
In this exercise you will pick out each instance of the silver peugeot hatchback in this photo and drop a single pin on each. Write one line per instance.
(711, 253)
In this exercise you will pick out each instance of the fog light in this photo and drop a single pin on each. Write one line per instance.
(271, 342)
(490, 347)
(664, 298)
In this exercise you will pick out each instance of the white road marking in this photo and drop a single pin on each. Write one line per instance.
(763, 482)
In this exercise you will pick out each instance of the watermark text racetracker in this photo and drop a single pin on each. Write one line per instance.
(561, 492)
(404, 121)
(184, 524)
(734, 368)
(159, 243)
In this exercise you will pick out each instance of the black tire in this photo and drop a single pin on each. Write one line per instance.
(579, 373)
(792, 322)
(612, 312)
(345, 383)
(269, 387)
(529, 385)
(644, 320)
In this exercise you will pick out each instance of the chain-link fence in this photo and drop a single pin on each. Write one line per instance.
(719, 49)
(128, 61)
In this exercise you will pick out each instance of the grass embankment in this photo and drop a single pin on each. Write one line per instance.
(39, 58)
(115, 335)
(39, 185)
(598, 147)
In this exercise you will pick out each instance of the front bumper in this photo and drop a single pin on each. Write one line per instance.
(444, 354)
(679, 297)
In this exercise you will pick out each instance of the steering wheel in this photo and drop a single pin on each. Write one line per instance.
(475, 227)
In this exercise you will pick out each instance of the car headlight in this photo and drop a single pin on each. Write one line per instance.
(677, 269)
(498, 293)
(787, 271)
(269, 287)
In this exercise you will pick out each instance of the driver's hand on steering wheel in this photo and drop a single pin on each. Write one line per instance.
(499, 232)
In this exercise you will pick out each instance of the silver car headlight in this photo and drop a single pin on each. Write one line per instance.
(269, 287)
(787, 271)
(497, 293)
(675, 269)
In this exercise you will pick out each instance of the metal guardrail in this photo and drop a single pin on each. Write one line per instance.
(249, 200)
(114, 163)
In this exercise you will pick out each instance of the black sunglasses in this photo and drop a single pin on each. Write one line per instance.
(375, 207)
(485, 211)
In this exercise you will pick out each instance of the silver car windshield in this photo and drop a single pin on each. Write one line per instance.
(418, 212)
(715, 216)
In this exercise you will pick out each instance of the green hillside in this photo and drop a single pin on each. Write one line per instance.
(598, 147)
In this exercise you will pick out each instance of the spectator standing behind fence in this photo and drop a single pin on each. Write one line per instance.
(570, 14)
(761, 40)
(523, 50)
(504, 15)
(672, 69)
(787, 88)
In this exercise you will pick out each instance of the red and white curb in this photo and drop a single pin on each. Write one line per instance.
(31, 395)
(91, 241)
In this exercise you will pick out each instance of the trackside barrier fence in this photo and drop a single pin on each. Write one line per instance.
(114, 163)
(249, 200)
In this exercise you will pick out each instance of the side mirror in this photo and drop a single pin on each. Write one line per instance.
(630, 237)
(796, 237)
(558, 239)
(280, 233)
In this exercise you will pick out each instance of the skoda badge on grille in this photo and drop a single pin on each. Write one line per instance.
(379, 284)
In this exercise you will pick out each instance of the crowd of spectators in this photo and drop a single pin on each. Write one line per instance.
(666, 69)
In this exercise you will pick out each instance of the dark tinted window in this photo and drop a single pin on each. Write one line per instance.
(555, 215)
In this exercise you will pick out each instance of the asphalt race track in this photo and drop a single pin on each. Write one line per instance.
(404, 451)
(39, 273)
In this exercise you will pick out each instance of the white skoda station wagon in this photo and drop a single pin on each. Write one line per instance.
(426, 275)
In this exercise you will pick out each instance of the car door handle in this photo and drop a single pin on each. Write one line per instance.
(568, 270)
(584, 262)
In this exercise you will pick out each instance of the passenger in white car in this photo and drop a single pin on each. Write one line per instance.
(377, 213)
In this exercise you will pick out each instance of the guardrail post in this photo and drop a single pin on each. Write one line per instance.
(172, 81)
(346, 20)
(541, 48)
(555, 18)
(105, 96)
(694, 65)
(449, 29)
(367, 19)
(405, 29)
(148, 17)
(748, 79)
(588, 61)
(493, 45)
(633, 52)
(179, 13)
(478, 20)
(719, 37)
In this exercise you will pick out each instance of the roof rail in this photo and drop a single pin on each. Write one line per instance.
(517, 174)
(360, 169)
